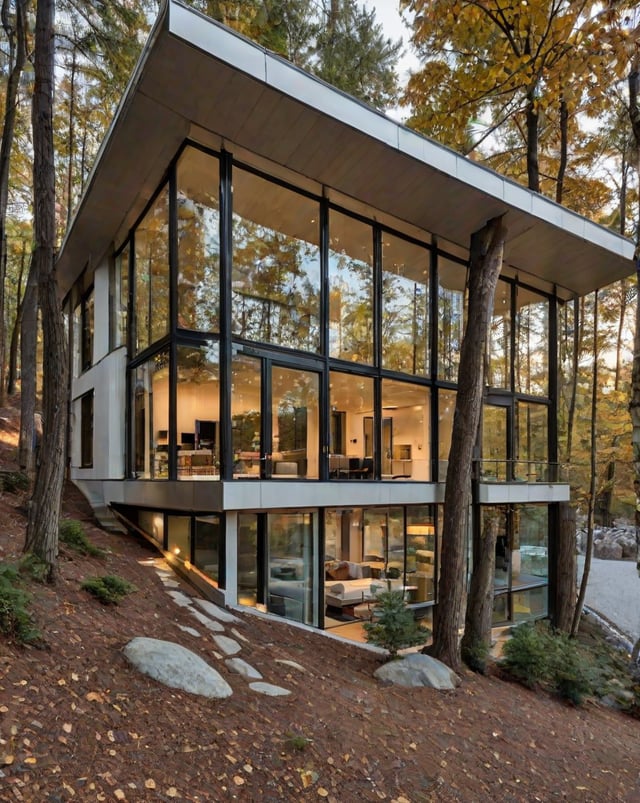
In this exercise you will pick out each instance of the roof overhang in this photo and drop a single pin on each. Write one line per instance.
(196, 78)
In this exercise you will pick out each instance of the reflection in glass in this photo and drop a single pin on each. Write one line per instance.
(120, 298)
(532, 441)
(295, 436)
(198, 216)
(451, 314)
(247, 559)
(276, 264)
(533, 531)
(405, 306)
(198, 411)
(499, 347)
(532, 344)
(179, 537)
(494, 466)
(405, 431)
(245, 416)
(446, 409)
(351, 441)
(350, 289)
(152, 273)
(150, 417)
(421, 552)
(290, 566)
(206, 545)
(384, 538)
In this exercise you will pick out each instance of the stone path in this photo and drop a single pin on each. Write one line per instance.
(168, 662)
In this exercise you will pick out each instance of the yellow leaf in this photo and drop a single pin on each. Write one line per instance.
(7, 760)
(150, 783)
(323, 792)
(67, 727)
(93, 697)
(172, 792)
(120, 795)
(31, 760)
(238, 780)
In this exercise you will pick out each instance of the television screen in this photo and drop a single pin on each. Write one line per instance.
(188, 439)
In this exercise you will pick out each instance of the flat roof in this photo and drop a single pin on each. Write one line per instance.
(198, 79)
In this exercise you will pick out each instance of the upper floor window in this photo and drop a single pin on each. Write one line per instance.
(276, 264)
(83, 324)
(451, 316)
(532, 343)
(119, 298)
(405, 306)
(350, 289)
(152, 273)
(499, 344)
(198, 231)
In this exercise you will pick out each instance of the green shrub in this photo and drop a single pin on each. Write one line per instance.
(72, 534)
(393, 626)
(535, 655)
(109, 588)
(16, 621)
(14, 481)
(33, 567)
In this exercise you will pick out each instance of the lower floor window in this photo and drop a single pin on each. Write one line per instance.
(86, 430)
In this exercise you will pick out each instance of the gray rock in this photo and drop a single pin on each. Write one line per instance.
(228, 645)
(292, 664)
(180, 599)
(216, 611)
(205, 620)
(243, 668)
(416, 670)
(175, 666)
(269, 689)
(190, 630)
(609, 550)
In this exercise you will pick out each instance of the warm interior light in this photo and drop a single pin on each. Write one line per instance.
(420, 529)
(176, 550)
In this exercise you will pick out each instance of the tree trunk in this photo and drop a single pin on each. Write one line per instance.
(533, 170)
(44, 511)
(476, 641)
(12, 369)
(485, 262)
(16, 33)
(593, 479)
(28, 344)
(565, 586)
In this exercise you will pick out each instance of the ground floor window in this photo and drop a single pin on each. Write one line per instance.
(86, 430)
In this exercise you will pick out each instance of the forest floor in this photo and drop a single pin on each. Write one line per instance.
(77, 722)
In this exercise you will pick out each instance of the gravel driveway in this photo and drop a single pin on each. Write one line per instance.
(614, 591)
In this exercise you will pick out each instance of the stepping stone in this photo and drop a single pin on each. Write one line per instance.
(190, 630)
(176, 667)
(241, 667)
(239, 635)
(269, 689)
(292, 664)
(215, 610)
(169, 582)
(215, 627)
(228, 645)
(180, 599)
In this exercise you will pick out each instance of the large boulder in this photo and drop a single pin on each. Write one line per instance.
(416, 670)
(608, 550)
(176, 666)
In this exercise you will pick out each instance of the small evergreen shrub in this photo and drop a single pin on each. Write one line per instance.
(476, 656)
(16, 621)
(535, 655)
(393, 626)
(33, 567)
(109, 588)
(72, 534)
(14, 481)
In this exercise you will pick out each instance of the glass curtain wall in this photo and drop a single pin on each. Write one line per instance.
(198, 232)
(295, 426)
(405, 306)
(152, 273)
(495, 464)
(350, 289)
(290, 556)
(499, 347)
(446, 410)
(405, 439)
(198, 411)
(276, 264)
(533, 444)
(452, 278)
(150, 417)
(532, 343)
(351, 426)
(246, 406)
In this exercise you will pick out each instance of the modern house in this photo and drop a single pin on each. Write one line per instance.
(265, 282)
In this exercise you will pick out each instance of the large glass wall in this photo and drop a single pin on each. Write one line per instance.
(351, 426)
(499, 350)
(150, 417)
(350, 289)
(152, 273)
(290, 557)
(276, 264)
(405, 306)
(446, 410)
(198, 232)
(452, 278)
(198, 411)
(495, 465)
(532, 434)
(406, 444)
(295, 428)
(532, 343)
(246, 405)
